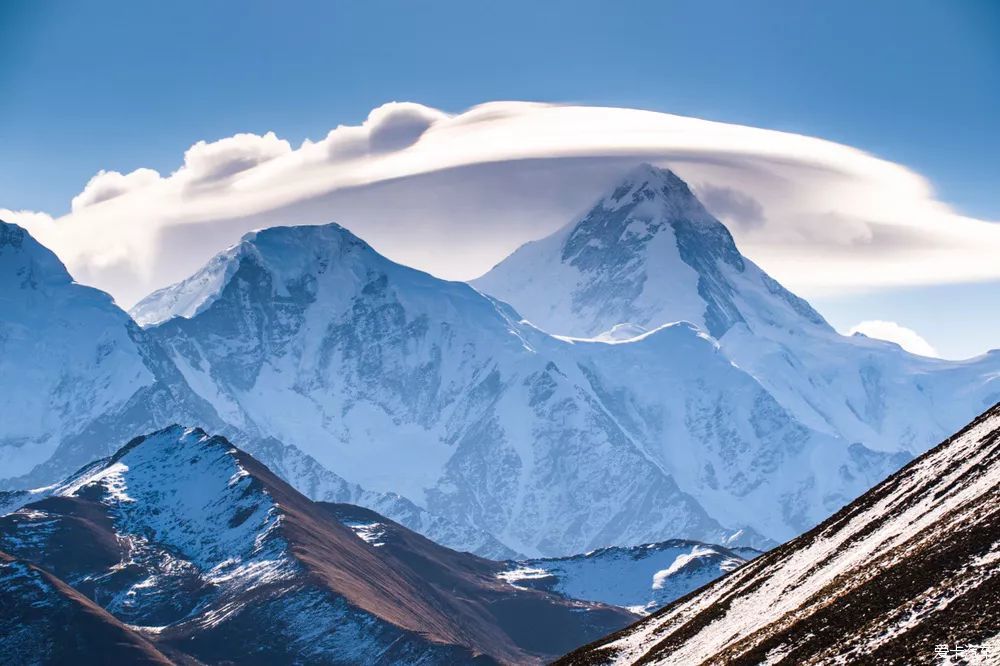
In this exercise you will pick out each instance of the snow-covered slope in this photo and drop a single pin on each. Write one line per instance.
(910, 565)
(648, 253)
(640, 578)
(403, 383)
(75, 371)
(723, 438)
(204, 551)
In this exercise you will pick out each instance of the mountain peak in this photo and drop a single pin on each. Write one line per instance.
(26, 262)
(11, 235)
(658, 180)
(288, 253)
(656, 192)
(291, 252)
(647, 253)
(327, 234)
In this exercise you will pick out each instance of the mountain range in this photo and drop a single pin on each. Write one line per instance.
(666, 388)
(197, 553)
(905, 574)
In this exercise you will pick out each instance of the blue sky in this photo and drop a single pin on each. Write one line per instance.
(119, 85)
(122, 85)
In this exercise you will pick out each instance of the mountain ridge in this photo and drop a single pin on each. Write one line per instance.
(363, 380)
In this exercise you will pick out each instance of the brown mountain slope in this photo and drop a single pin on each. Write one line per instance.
(208, 553)
(471, 588)
(45, 621)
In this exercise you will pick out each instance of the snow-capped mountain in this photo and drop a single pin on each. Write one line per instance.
(78, 378)
(640, 578)
(912, 565)
(648, 253)
(203, 551)
(76, 373)
(404, 383)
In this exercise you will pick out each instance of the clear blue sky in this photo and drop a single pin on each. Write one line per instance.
(119, 85)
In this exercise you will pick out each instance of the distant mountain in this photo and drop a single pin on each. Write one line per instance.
(45, 621)
(205, 553)
(75, 370)
(403, 383)
(912, 565)
(78, 378)
(640, 578)
(648, 253)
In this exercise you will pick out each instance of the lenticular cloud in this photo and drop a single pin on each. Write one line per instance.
(453, 194)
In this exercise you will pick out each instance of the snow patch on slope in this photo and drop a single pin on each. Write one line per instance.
(640, 578)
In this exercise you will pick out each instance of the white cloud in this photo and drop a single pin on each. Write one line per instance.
(390, 127)
(28, 218)
(453, 194)
(110, 184)
(905, 337)
(399, 124)
(206, 162)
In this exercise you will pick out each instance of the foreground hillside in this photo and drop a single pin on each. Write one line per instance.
(912, 565)
(207, 555)
(45, 621)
